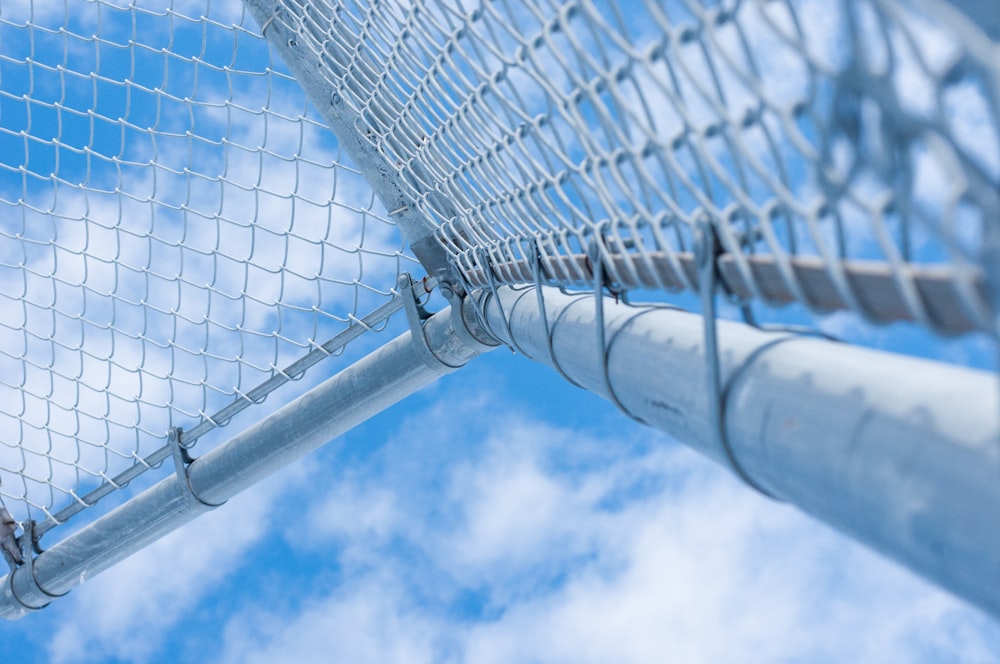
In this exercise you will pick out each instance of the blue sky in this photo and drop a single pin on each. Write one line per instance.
(500, 515)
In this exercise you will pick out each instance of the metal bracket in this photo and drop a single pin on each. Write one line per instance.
(182, 460)
(707, 250)
(26, 578)
(416, 314)
(10, 546)
(457, 299)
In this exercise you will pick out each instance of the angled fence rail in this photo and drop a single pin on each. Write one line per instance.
(190, 225)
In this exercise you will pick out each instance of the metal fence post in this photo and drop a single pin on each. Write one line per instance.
(898, 452)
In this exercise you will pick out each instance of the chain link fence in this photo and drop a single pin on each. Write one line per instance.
(176, 229)
(181, 233)
(844, 153)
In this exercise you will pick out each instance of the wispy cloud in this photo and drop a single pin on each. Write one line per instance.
(497, 538)
(129, 614)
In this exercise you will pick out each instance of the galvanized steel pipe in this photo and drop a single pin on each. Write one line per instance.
(364, 389)
(899, 452)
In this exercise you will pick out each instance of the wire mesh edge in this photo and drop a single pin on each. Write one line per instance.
(222, 417)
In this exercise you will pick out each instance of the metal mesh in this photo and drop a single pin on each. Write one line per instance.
(174, 230)
(845, 153)
(180, 235)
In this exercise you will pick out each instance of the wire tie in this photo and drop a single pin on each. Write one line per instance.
(603, 347)
(267, 23)
(706, 255)
(536, 273)
(182, 462)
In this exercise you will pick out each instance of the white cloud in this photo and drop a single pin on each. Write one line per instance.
(361, 624)
(128, 613)
(546, 544)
